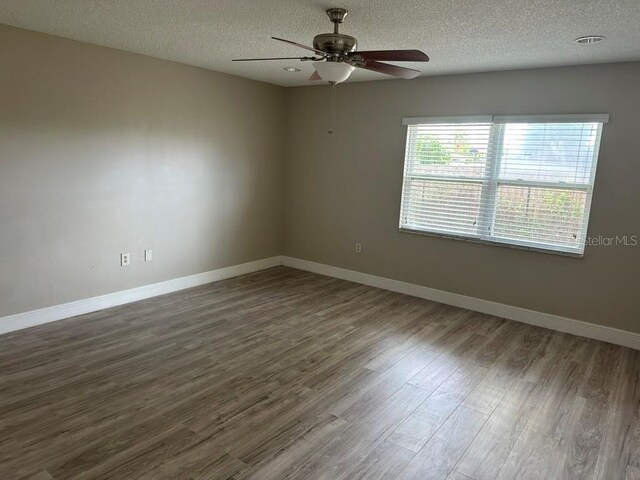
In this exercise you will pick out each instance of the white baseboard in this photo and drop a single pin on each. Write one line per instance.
(88, 305)
(540, 319)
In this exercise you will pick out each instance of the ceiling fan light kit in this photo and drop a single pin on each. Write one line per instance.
(333, 72)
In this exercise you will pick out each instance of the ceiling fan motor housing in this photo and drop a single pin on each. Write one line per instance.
(335, 43)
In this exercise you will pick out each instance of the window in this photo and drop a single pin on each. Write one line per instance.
(523, 181)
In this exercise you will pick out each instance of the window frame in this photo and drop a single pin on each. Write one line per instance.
(490, 182)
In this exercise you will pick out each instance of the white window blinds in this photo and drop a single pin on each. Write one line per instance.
(524, 181)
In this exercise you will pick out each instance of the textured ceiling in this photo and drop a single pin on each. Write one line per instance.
(458, 35)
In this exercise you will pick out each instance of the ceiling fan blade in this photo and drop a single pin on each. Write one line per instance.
(319, 52)
(274, 58)
(315, 77)
(387, 69)
(391, 55)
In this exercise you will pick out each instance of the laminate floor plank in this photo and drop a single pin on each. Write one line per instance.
(438, 457)
(285, 374)
(490, 449)
(454, 475)
(362, 433)
(424, 421)
(533, 456)
(384, 462)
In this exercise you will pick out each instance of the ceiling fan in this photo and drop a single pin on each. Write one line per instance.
(336, 55)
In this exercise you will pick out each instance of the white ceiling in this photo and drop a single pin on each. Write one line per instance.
(458, 35)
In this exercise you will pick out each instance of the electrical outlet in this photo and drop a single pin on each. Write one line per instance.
(148, 255)
(358, 248)
(125, 259)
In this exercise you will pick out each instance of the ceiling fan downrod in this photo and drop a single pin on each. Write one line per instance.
(337, 16)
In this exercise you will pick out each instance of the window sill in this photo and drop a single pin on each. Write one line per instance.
(494, 244)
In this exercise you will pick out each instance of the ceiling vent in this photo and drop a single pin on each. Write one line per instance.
(588, 39)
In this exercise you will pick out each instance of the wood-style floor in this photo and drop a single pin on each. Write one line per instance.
(284, 374)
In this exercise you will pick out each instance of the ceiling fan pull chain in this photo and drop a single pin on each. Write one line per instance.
(333, 107)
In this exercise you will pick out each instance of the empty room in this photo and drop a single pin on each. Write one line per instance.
(282, 239)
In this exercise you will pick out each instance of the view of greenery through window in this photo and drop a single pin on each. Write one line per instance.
(430, 150)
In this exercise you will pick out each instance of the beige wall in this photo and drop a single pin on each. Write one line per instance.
(345, 188)
(103, 152)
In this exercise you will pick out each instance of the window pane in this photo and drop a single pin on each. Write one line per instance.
(517, 183)
(540, 215)
(448, 149)
(548, 152)
(441, 206)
